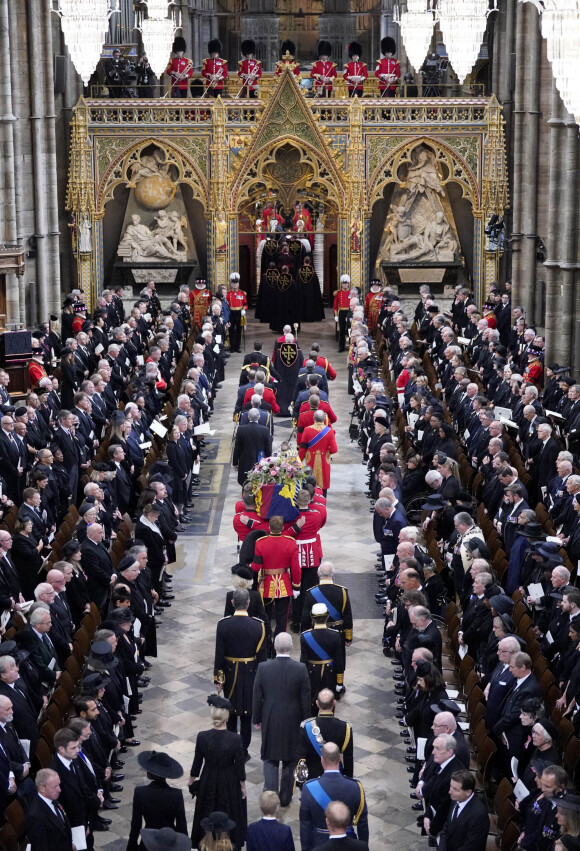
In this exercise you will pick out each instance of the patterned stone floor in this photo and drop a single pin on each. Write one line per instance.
(174, 705)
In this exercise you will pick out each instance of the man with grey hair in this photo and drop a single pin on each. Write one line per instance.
(265, 417)
(436, 784)
(42, 652)
(281, 701)
(253, 441)
(541, 460)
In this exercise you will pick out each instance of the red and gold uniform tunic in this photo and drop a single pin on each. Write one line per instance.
(199, 302)
(216, 70)
(268, 395)
(323, 73)
(237, 300)
(180, 70)
(373, 304)
(316, 450)
(355, 69)
(255, 523)
(36, 371)
(249, 72)
(341, 300)
(322, 406)
(308, 537)
(533, 373)
(277, 557)
(326, 366)
(388, 65)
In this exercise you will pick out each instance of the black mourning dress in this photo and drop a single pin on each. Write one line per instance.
(221, 754)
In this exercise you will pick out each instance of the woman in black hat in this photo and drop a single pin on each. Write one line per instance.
(532, 709)
(569, 676)
(158, 804)
(219, 766)
(77, 592)
(69, 378)
(27, 558)
(431, 687)
(413, 482)
(527, 529)
(568, 818)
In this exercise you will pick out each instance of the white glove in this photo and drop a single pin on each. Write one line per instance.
(336, 318)
(243, 312)
(295, 594)
(339, 688)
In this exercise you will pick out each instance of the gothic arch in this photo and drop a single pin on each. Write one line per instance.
(323, 170)
(116, 173)
(458, 171)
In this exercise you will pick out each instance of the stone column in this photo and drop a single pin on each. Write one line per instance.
(260, 23)
(528, 57)
(558, 326)
(338, 26)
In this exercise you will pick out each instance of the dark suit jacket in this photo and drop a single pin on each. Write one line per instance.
(338, 788)
(158, 805)
(269, 835)
(76, 799)
(436, 795)
(509, 722)
(98, 567)
(44, 830)
(469, 830)
(281, 701)
(25, 714)
(251, 439)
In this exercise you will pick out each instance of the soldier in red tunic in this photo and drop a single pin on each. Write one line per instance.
(276, 557)
(323, 71)
(199, 302)
(356, 71)
(250, 70)
(236, 298)
(317, 445)
(388, 71)
(288, 51)
(214, 70)
(534, 371)
(373, 304)
(179, 69)
(36, 369)
(341, 309)
(309, 548)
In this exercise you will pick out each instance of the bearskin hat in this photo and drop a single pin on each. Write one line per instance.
(248, 46)
(388, 45)
(179, 45)
(288, 47)
(214, 46)
(354, 49)
(324, 48)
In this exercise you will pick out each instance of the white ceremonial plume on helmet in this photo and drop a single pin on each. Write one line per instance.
(345, 278)
(235, 276)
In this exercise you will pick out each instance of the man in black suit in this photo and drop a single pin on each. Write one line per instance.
(514, 496)
(252, 442)
(331, 729)
(281, 702)
(69, 446)
(12, 687)
(78, 801)
(436, 785)
(468, 820)
(542, 465)
(122, 484)
(501, 681)
(10, 594)
(338, 819)
(12, 464)
(47, 825)
(509, 727)
(97, 565)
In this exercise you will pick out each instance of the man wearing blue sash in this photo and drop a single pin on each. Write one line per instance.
(319, 793)
(325, 727)
(335, 598)
(322, 652)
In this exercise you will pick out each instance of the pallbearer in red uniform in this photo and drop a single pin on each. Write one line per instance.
(250, 70)
(356, 71)
(323, 71)
(317, 445)
(288, 51)
(236, 298)
(179, 69)
(276, 559)
(199, 302)
(214, 70)
(341, 308)
(388, 71)
(373, 304)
